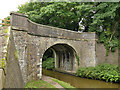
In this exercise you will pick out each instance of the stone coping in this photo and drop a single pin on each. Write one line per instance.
(23, 15)
(19, 14)
(20, 22)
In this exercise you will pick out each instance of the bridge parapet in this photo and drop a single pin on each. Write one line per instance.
(21, 22)
(18, 20)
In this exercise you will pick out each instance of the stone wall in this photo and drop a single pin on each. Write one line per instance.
(101, 56)
(10, 73)
(4, 38)
(20, 40)
(2, 78)
(13, 76)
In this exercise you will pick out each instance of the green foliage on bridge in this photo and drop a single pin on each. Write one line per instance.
(100, 17)
(106, 72)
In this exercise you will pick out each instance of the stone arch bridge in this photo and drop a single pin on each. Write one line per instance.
(71, 49)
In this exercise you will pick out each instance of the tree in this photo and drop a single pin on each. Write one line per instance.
(104, 19)
(100, 17)
(61, 15)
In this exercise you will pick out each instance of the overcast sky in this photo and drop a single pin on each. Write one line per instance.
(6, 6)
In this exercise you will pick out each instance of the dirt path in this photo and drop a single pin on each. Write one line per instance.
(48, 79)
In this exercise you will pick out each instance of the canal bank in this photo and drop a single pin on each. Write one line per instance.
(49, 80)
(79, 82)
(49, 83)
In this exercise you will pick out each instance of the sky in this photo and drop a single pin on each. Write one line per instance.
(6, 6)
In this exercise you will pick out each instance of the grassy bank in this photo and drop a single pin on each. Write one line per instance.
(63, 84)
(39, 84)
(43, 84)
(105, 72)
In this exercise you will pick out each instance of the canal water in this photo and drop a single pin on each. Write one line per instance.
(79, 82)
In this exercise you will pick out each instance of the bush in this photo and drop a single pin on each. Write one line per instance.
(106, 72)
(49, 63)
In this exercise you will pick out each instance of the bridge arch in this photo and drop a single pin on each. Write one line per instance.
(32, 40)
(64, 56)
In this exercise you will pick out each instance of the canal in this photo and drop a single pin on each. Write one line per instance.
(79, 82)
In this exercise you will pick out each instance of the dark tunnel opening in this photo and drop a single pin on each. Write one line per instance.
(59, 56)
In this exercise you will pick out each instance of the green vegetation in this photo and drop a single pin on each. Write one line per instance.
(16, 54)
(77, 57)
(44, 84)
(48, 60)
(48, 54)
(100, 17)
(39, 84)
(6, 36)
(49, 63)
(5, 31)
(3, 60)
(106, 72)
(2, 63)
(64, 84)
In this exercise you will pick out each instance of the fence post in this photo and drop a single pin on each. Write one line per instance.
(5, 22)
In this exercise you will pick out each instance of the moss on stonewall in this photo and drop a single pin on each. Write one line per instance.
(2, 63)
(6, 30)
(77, 57)
(16, 54)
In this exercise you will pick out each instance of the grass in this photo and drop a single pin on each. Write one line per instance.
(64, 84)
(44, 85)
(39, 84)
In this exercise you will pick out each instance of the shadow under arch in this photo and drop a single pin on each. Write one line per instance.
(64, 56)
